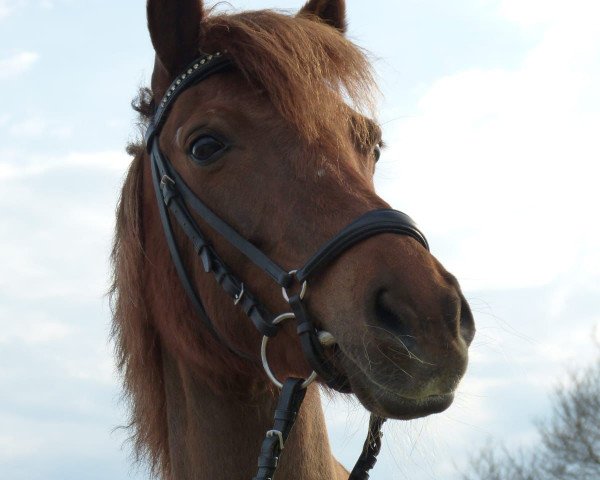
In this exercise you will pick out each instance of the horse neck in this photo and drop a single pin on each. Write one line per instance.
(214, 436)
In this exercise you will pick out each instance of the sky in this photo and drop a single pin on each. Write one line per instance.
(491, 113)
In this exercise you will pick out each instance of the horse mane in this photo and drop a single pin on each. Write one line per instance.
(135, 339)
(311, 73)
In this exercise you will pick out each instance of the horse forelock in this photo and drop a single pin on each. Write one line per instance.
(308, 70)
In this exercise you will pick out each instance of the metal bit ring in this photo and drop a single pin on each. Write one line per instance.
(265, 360)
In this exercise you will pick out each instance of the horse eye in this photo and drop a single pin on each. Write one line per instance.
(377, 153)
(206, 149)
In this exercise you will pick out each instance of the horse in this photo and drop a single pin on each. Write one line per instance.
(279, 144)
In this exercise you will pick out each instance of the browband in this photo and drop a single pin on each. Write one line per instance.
(194, 73)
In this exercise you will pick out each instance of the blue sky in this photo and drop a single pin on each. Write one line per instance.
(491, 112)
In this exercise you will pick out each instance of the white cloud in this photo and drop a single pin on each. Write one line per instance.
(44, 210)
(503, 163)
(8, 7)
(33, 331)
(12, 446)
(530, 13)
(17, 63)
(16, 164)
(32, 127)
(36, 126)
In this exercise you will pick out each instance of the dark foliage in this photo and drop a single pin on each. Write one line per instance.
(569, 447)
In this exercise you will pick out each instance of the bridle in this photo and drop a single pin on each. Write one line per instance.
(176, 198)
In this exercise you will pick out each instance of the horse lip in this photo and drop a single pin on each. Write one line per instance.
(428, 405)
(438, 400)
(385, 402)
(396, 406)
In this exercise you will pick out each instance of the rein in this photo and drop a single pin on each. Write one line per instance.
(175, 199)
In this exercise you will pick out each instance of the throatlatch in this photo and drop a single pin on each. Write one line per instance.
(176, 198)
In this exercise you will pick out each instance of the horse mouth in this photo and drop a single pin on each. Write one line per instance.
(389, 403)
(395, 406)
(386, 400)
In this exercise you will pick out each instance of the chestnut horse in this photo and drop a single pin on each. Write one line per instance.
(283, 148)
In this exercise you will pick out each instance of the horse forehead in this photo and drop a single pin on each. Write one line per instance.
(226, 92)
(216, 106)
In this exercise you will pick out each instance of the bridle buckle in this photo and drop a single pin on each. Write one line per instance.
(238, 297)
(167, 181)
(278, 434)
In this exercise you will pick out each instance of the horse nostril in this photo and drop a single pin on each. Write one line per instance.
(467, 323)
(389, 315)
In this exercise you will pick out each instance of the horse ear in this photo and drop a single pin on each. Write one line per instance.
(332, 12)
(174, 27)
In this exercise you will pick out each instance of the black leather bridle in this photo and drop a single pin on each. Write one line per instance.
(174, 196)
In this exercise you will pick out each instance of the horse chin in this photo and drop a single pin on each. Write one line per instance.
(389, 404)
(389, 401)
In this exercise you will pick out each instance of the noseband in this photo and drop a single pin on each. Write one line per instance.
(174, 196)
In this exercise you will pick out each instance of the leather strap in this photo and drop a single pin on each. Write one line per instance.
(313, 350)
(370, 224)
(178, 262)
(242, 296)
(283, 278)
(371, 448)
(201, 68)
(290, 400)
